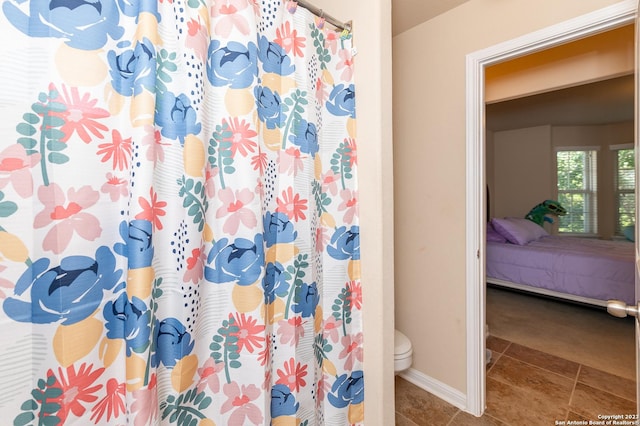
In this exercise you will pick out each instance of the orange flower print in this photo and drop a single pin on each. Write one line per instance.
(292, 205)
(249, 333)
(355, 294)
(77, 389)
(112, 403)
(259, 162)
(241, 135)
(292, 375)
(119, 151)
(352, 152)
(289, 39)
(80, 116)
(152, 210)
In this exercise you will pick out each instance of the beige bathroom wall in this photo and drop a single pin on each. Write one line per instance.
(429, 150)
(372, 39)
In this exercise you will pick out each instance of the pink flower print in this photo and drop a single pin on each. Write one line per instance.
(195, 265)
(209, 376)
(291, 161)
(352, 350)
(324, 387)
(229, 18)
(115, 187)
(118, 151)
(152, 210)
(241, 135)
(331, 41)
(249, 333)
(322, 239)
(322, 93)
(145, 404)
(292, 375)
(153, 141)
(291, 205)
(349, 204)
(355, 294)
(68, 215)
(331, 328)
(345, 64)
(264, 356)
(259, 162)
(288, 39)
(197, 38)
(330, 182)
(240, 402)
(14, 169)
(259, 188)
(80, 115)
(290, 330)
(233, 207)
(209, 180)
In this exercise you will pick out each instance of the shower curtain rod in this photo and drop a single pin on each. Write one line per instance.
(317, 11)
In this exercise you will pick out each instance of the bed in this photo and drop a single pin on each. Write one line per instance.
(521, 255)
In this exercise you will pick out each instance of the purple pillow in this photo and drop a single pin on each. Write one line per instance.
(518, 230)
(493, 235)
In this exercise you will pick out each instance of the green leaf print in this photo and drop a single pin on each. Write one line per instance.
(44, 120)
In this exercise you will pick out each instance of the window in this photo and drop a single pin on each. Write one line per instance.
(625, 184)
(577, 189)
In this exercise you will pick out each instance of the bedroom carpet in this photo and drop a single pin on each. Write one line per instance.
(584, 335)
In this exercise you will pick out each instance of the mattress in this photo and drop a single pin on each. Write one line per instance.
(581, 269)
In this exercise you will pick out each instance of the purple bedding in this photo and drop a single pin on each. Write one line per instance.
(589, 268)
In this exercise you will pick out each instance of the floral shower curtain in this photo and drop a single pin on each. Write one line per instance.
(179, 239)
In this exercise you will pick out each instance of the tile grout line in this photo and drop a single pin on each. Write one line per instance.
(573, 390)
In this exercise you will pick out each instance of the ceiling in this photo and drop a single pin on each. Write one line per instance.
(603, 102)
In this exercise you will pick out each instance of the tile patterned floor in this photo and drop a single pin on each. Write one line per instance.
(524, 387)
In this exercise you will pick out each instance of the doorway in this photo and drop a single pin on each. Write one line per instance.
(602, 20)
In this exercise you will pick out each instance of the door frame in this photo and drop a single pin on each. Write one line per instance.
(604, 19)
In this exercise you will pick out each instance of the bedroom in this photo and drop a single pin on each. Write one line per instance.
(539, 108)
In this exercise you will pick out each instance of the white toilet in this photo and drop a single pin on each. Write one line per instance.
(402, 353)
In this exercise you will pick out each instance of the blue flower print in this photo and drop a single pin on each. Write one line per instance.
(69, 292)
(240, 262)
(173, 342)
(283, 402)
(347, 390)
(274, 59)
(135, 7)
(128, 320)
(83, 24)
(342, 101)
(306, 300)
(176, 116)
(345, 244)
(306, 138)
(278, 229)
(234, 65)
(274, 282)
(269, 109)
(134, 69)
(137, 247)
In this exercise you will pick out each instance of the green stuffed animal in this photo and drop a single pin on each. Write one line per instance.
(539, 213)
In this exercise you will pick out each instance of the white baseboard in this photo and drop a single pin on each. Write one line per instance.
(436, 388)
